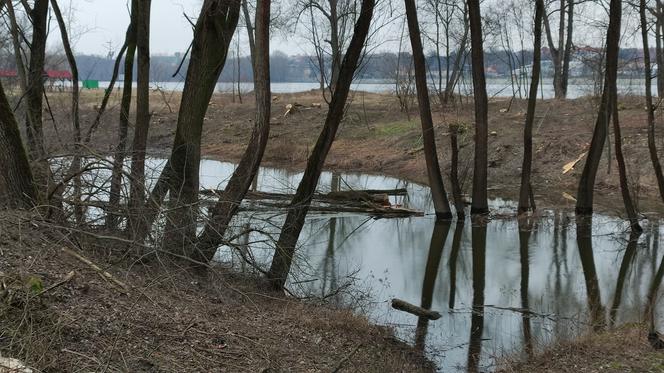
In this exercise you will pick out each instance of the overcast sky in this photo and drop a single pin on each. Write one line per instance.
(98, 22)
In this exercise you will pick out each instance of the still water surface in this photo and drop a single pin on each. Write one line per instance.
(496, 87)
(500, 290)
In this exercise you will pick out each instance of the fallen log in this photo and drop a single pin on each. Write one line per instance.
(402, 305)
(369, 194)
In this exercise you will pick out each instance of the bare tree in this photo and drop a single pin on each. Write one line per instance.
(299, 206)
(652, 147)
(213, 34)
(35, 90)
(137, 179)
(246, 171)
(16, 42)
(76, 123)
(584, 203)
(120, 151)
(17, 187)
(328, 29)
(561, 55)
(440, 201)
(526, 168)
(480, 203)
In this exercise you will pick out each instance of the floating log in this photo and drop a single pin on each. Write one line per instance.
(402, 305)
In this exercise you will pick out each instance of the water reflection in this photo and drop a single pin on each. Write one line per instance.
(585, 244)
(625, 265)
(525, 228)
(440, 231)
(479, 231)
(503, 287)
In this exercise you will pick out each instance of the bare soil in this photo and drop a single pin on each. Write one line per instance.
(170, 319)
(171, 323)
(376, 137)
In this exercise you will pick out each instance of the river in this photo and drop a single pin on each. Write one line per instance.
(496, 87)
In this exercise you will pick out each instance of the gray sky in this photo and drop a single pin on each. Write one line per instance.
(96, 22)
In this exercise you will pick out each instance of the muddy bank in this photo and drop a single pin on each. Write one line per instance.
(60, 314)
(376, 137)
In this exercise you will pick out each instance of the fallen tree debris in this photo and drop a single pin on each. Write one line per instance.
(402, 305)
(122, 286)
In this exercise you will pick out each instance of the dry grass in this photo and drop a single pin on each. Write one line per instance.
(171, 320)
(376, 136)
(625, 349)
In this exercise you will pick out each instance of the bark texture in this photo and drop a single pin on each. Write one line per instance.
(245, 172)
(526, 168)
(652, 146)
(212, 36)
(480, 203)
(17, 188)
(585, 194)
(440, 202)
(120, 152)
(142, 126)
(299, 206)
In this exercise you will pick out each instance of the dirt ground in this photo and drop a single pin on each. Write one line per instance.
(377, 137)
(172, 321)
(623, 350)
(168, 320)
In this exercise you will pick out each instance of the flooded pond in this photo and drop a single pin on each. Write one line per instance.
(500, 290)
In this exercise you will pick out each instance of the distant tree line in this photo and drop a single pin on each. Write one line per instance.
(300, 68)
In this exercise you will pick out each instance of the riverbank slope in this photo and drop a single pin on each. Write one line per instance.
(60, 313)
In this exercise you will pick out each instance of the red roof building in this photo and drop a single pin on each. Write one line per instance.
(48, 74)
(57, 74)
(8, 74)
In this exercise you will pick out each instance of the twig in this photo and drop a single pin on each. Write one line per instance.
(106, 275)
(65, 280)
(345, 359)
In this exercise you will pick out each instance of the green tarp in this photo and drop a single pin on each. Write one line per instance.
(91, 84)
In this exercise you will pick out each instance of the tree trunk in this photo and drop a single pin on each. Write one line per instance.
(250, 32)
(35, 90)
(567, 54)
(584, 203)
(137, 174)
(555, 52)
(212, 37)
(292, 227)
(16, 42)
(630, 208)
(107, 94)
(479, 204)
(245, 172)
(17, 188)
(75, 167)
(458, 59)
(526, 168)
(335, 45)
(652, 147)
(454, 172)
(440, 202)
(659, 51)
(112, 219)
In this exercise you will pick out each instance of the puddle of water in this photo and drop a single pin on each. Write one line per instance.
(500, 290)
